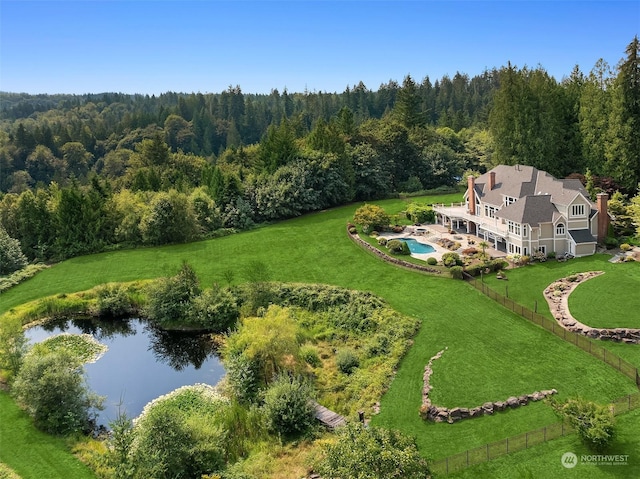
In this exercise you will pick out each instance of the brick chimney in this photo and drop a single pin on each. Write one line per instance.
(471, 189)
(603, 217)
(492, 180)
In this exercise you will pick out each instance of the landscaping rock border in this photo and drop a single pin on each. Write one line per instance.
(557, 296)
(429, 412)
(390, 259)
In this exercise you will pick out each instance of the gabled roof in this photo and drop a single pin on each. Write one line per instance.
(520, 181)
(531, 210)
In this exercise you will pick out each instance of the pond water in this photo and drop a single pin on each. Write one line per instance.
(142, 363)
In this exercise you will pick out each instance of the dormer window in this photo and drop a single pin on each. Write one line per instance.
(577, 210)
(560, 228)
(508, 200)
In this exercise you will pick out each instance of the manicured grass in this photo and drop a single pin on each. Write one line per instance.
(31, 453)
(602, 305)
(492, 353)
(611, 300)
(544, 460)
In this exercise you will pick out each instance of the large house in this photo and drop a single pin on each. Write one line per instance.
(522, 210)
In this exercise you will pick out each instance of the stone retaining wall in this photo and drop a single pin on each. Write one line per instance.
(433, 413)
(390, 259)
(557, 296)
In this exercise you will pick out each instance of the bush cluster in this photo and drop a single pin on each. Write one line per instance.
(347, 360)
(451, 259)
(493, 265)
(179, 300)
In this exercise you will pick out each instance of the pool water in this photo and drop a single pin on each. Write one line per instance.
(417, 247)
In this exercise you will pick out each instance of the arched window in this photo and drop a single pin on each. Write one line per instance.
(560, 229)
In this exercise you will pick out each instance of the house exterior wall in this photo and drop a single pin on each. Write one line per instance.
(585, 249)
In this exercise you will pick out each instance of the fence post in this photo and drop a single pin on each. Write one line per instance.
(467, 457)
(488, 452)
(545, 434)
(526, 441)
(507, 445)
(535, 307)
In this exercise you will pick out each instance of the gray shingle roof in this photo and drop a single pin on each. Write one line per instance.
(582, 236)
(531, 210)
(520, 181)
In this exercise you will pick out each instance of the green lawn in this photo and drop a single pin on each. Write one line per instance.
(544, 460)
(492, 353)
(31, 453)
(610, 300)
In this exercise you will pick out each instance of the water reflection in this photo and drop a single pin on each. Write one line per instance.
(142, 363)
(179, 349)
(98, 328)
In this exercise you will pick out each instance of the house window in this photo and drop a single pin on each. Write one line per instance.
(509, 200)
(514, 228)
(490, 211)
(560, 227)
(514, 248)
(542, 249)
(577, 210)
(525, 232)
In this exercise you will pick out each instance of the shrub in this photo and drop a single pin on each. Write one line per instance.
(524, 260)
(595, 423)
(456, 272)
(52, 389)
(451, 259)
(551, 255)
(382, 241)
(432, 261)
(347, 360)
(610, 242)
(309, 355)
(216, 309)
(169, 299)
(177, 435)
(113, 301)
(395, 246)
(371, 217)
(242, 375)
(420, 213)
(374, 453)
(625, 247)
(287, 405)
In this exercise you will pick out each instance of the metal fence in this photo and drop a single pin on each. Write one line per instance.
(520, 442)
(529, 439)
(551, 325)
(496, 449)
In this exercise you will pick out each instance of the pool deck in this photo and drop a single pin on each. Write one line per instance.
(430, 234)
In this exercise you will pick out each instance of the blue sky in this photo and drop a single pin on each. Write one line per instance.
(204, 46)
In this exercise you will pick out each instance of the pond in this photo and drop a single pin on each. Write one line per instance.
(142, 363)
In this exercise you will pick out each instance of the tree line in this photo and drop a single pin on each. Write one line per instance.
(82, 173)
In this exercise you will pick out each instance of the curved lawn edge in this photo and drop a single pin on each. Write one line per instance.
(557, 296)
(390, 259)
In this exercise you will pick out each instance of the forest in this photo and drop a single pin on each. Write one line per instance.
(85, 173)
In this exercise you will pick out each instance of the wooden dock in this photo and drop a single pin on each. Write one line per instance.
(327, 417)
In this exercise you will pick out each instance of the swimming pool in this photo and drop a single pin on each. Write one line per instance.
(417, 247)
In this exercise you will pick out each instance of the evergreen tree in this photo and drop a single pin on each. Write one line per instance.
(623, 148)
